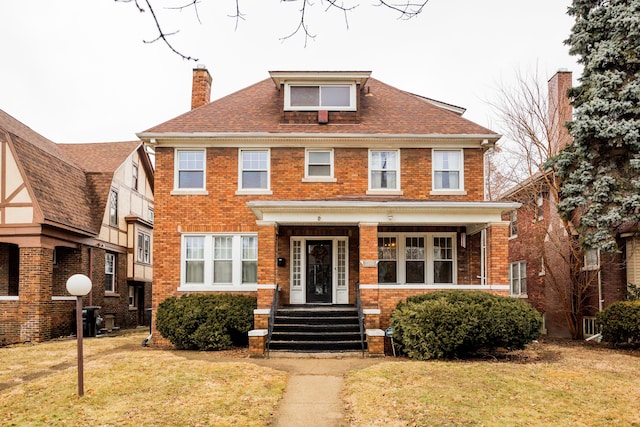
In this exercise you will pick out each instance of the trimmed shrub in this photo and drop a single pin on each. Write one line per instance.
(449, 324)
(620, 322)
(206, 322)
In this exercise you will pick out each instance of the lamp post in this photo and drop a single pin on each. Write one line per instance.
(79, 285)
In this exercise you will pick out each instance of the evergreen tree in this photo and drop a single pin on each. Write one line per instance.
(600, 169)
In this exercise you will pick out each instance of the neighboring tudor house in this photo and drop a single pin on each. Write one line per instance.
(542, 269)
(323, 184)
(67, 209)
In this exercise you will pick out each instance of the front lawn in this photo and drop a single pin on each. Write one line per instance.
(550, 384)
(128, 385)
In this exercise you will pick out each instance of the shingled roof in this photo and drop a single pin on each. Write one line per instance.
(69, 182)
(256, 109)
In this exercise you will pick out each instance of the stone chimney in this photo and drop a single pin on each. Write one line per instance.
(560, 110)
(201, 87)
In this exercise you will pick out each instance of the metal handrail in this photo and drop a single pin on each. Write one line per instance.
(360, 316)
(272, 316)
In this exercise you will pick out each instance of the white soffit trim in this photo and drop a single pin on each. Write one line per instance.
(227, 139)
(359, 77)
(388, 213)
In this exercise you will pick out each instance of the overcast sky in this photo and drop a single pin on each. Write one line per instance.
(78, 70)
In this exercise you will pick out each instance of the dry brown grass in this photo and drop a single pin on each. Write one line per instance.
(551, 384)
(128, 385)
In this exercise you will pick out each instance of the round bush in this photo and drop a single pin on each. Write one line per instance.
(451, 324)
(206, 322)
(620, 322)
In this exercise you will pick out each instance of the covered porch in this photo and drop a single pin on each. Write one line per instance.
(323, 252)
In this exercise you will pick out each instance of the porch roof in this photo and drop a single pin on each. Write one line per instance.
(381, 212)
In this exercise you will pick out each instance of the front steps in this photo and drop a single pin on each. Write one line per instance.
(316, 328)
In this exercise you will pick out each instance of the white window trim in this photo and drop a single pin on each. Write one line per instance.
(241, 190)
(176, 174)
(113, 273)
(313, 178)
(135, 177)
(134, 305)
(591, 267)
(513, 217)
(385, 191)
(540, 207)
(429, 258)
(145, 238)
(208, 284)
(520, 294)
(114, 221)
(460, 191)
(352, 97)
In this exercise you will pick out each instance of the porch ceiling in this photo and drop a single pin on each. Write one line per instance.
(381, 212)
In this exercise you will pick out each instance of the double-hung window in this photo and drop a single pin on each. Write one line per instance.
(249, 259)
(518, 279)
(591, 259)
(447, 170)
(144, 248)
(212, 262)
(318, 164)
(384, 170)
(190, 167)
(194, 259)
(134, 177)
(222, 259)
(540, 207)
(254, 170)
(113, 208)
(513, 224)
(110, 272)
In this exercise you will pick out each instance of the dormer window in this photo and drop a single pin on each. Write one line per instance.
(312, 97)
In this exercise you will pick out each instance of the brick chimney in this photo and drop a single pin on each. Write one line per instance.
(560, 110)
(201, 87)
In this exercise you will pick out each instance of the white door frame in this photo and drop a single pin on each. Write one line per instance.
(339, 265)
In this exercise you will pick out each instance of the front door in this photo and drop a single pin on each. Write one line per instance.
(319, 267)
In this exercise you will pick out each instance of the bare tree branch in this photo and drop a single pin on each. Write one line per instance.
(301, 25)
(162, 35)
(407, 10)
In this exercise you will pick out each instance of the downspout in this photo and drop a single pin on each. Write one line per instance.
(91, 274)
(600, 300)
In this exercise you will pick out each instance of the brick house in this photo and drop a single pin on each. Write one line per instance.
(542, 268)
(66, 209)
(324, 185)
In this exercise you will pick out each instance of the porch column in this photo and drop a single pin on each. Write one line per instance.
(35, 292)
(497, 253)
(369, 273)
(267, 235)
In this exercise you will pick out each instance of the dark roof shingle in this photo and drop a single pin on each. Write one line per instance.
(256, 109)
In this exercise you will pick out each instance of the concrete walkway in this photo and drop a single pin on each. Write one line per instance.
(313, 394)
